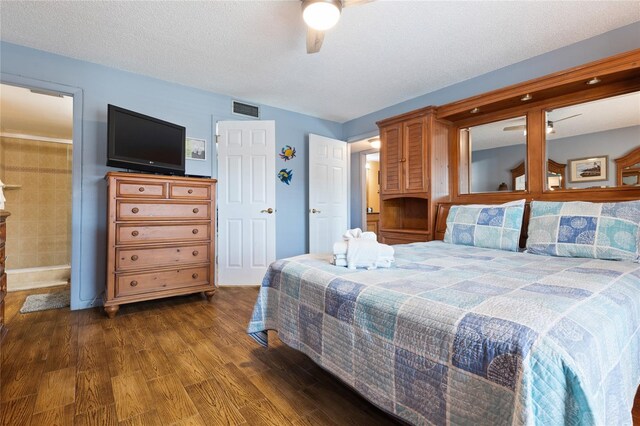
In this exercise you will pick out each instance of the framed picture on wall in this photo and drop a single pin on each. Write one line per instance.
(589, 169)
(196, 149)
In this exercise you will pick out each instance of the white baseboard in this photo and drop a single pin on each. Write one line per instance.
(31, 285)
(39, 277)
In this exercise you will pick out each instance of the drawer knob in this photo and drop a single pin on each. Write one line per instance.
(195, 252)
(135, 210)
(133, 283)
(190, 191)
(194, 275)
(134, 257)
(196, 210)
(135, 233)
(141, 189)
(195, 231)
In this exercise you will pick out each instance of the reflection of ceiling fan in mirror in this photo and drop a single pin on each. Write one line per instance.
(550, 125)
(321, 15)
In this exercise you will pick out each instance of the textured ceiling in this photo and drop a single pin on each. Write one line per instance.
(379, 54)
(27, 113)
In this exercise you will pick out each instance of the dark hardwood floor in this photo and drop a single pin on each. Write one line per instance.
(177, 361)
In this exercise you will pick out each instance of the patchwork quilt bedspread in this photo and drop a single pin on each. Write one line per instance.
(466, 335)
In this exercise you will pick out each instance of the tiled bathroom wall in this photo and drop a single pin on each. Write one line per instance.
(39, 228)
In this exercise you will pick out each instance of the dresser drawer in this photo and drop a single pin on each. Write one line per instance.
(3, 233)
(134, 257)
(194, 192)
(131, 284)
(140, 210)
(159, 233)
(141, 189)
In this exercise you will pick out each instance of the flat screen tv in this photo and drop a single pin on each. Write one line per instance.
(140, 142)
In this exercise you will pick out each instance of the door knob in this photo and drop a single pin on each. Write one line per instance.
(269, 210)
(315, 211)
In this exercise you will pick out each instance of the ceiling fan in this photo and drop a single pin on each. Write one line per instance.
(321, 15)
(550, 123)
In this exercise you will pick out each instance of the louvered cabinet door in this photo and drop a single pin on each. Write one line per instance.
(391, 155)
(414, 156)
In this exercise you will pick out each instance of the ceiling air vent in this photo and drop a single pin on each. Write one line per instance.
(247, 110)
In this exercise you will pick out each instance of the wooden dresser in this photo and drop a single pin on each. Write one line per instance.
(160, 236)
(3, 274)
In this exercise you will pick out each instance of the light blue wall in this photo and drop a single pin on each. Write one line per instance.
(614, 143)
(196, 109)
(607, 44)
(490, 167)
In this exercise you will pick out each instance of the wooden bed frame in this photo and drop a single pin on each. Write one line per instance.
(443, 212)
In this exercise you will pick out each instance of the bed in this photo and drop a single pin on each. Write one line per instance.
(466, 335)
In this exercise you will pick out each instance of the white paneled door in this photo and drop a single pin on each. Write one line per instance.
(328, 192)
(246, 201)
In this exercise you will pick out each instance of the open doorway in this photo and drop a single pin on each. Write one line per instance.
(365, 183)
(36, 157)
(372, 191)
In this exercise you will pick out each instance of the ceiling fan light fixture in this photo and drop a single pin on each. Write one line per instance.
(375, 143)
(550, 128)
(321, 14)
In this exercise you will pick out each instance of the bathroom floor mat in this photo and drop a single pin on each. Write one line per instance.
(45, 301)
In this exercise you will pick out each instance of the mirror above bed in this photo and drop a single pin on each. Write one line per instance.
(556, 175)
(592, 137)
(491, 151)
(628, 169)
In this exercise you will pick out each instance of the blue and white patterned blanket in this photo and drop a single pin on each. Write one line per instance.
(466, 335)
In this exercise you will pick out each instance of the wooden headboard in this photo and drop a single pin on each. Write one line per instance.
(443, 212)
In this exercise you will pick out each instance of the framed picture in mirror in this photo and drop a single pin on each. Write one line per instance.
(590, 169)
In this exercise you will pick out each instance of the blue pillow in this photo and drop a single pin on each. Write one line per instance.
(488, 226)
(580, 229)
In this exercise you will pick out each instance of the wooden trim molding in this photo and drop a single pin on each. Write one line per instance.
(628, 160)
(407, 116)
(612, 69)
(515, 173)
(552, 166)
(558, 169)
